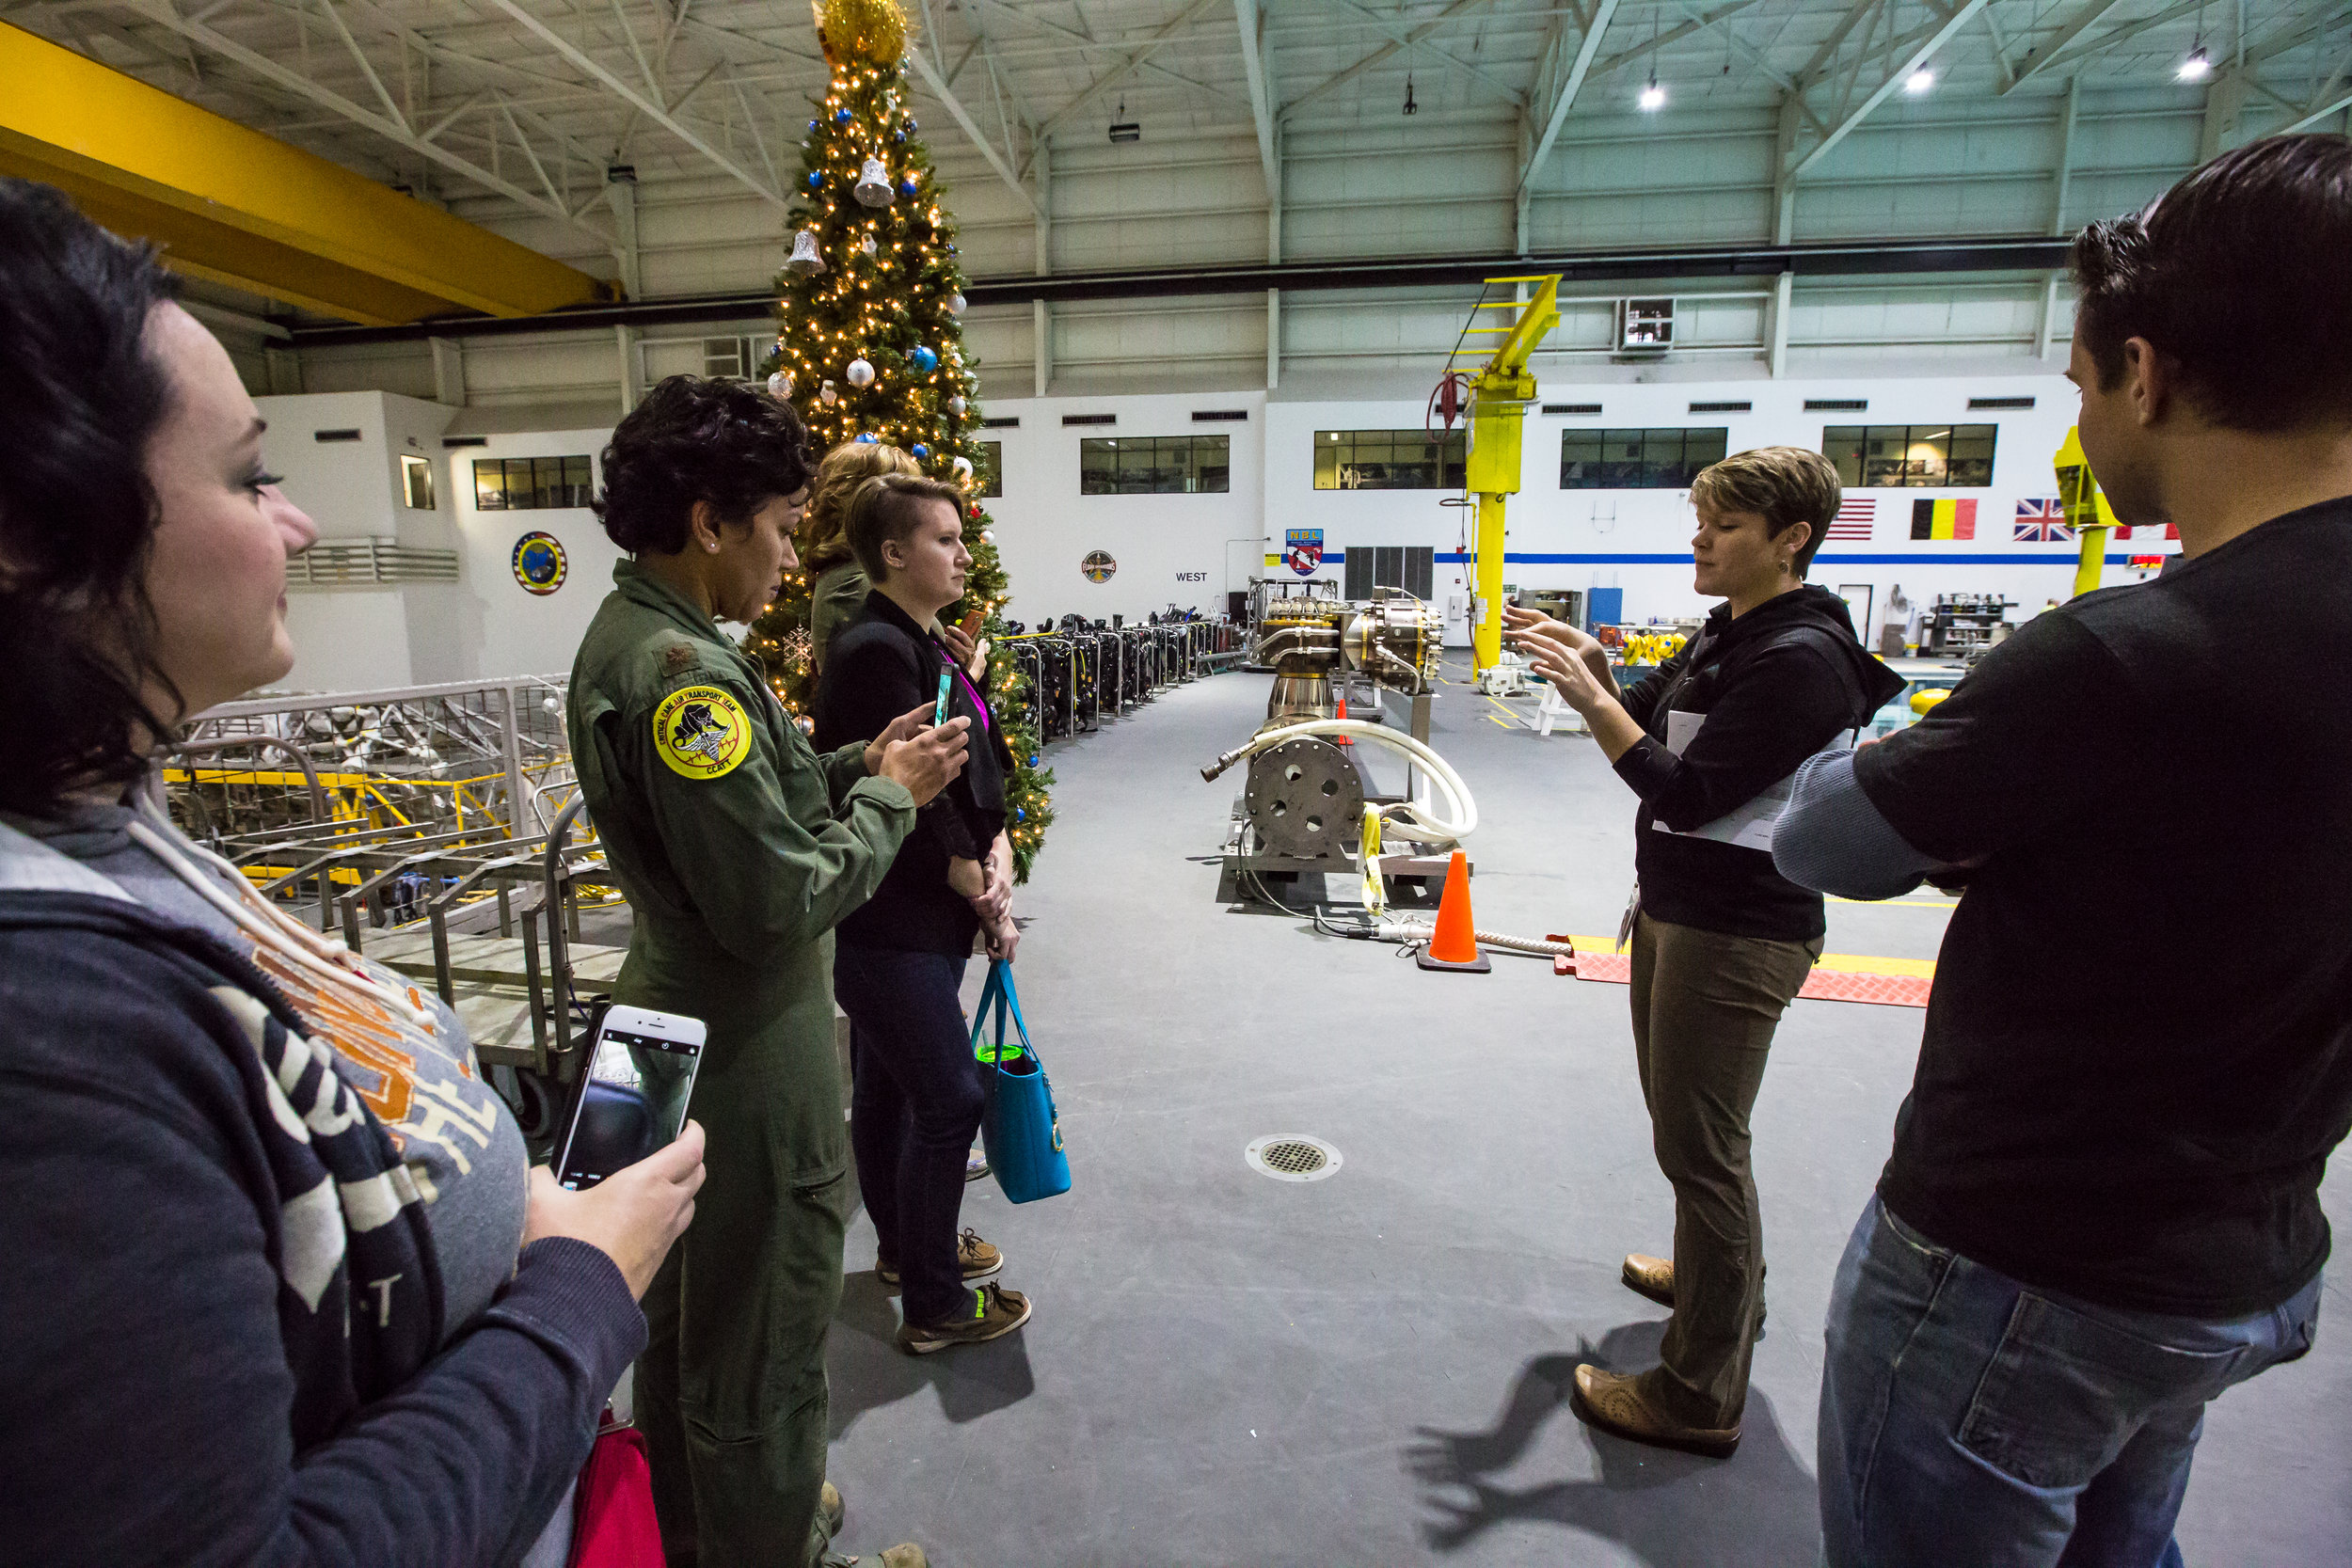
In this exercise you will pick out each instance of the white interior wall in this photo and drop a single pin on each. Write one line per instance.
(1191, 550)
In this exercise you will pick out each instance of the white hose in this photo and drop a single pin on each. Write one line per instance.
(1419, 825)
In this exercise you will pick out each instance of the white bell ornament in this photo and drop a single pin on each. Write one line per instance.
(962, 466)
(806, 261)
(827, 395)
(873, 185)
(859, 374)
(867, 246)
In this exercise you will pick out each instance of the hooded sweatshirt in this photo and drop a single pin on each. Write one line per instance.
(1775, 685)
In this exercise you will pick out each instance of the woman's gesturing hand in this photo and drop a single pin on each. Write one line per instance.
(632, 1215)
(1566, 669)
(1522, 622)
(905, 727)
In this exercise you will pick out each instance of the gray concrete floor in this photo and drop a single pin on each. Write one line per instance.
(1225, 1369)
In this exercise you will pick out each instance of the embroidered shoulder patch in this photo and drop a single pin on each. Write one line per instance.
(701, 731)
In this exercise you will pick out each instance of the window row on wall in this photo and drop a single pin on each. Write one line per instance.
(1868, 457)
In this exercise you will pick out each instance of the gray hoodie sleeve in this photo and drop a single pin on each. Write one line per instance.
(1833, 840)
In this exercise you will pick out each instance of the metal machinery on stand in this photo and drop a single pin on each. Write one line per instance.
(1305, 806)
(433, 826)
(1079, 671)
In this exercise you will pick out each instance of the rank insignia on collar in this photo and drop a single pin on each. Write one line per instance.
(676, 658)
(701, 731)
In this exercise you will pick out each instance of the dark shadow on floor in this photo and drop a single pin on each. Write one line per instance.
(867, 1370)
(1757, 1510)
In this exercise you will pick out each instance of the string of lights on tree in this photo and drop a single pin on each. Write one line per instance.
(869, 348)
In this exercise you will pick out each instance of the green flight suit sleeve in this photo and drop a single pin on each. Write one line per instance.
(845, 770)
(763, 878)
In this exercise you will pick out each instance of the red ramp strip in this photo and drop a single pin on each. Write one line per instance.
(1822, 985)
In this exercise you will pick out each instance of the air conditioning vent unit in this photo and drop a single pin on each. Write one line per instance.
(2000, 403)
(1011, 421)
(1835, 405)
(1571, 407)
(1089, 419)
(1646, 326)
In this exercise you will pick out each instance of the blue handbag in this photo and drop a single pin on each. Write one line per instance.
(1020, 1128)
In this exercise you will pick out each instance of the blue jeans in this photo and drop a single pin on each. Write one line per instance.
(915, 1107)
(1968, 1419)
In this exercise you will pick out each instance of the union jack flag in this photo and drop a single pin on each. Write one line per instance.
(2042, 521)
(1854, 519)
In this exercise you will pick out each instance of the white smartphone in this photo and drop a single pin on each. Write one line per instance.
(633, 1099)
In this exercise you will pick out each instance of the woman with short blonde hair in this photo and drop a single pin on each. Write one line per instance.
(837, 593)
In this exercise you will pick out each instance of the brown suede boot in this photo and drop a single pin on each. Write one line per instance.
(1615, 1404)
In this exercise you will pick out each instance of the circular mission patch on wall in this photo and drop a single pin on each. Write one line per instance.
(1098, 566)
(538, 561)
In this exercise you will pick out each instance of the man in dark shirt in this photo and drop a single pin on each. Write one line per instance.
(2102, 1208)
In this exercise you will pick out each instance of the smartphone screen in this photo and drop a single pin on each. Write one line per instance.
(939, 708)
(972, 623)
(632, 1102)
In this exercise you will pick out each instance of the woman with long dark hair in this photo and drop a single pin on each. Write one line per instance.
(276, 1287)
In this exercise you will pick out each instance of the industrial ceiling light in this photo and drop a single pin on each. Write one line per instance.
(1411, 108)
(1653, 96)
(2197, 67)
(1919, 81)
(1123, 129)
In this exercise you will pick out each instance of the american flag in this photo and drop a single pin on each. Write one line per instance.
(1854, 519)
(2042, 521)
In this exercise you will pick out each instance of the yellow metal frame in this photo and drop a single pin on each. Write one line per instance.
(1501, 389)
(226, 203)
(2087, 510)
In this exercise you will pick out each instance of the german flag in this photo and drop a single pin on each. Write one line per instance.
(1943, 520)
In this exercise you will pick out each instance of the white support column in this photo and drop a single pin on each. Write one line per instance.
(2048, 339)
(1777, 356)
(2063, 184)
(284, 369)
(1042, 170)
(632, 369)
(1042, 330)
(449, 371)
(621, 194)
(1273, 338)
(1784, 165)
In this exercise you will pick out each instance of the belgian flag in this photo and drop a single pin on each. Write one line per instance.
(1931, 519)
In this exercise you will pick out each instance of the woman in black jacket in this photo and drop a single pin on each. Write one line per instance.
(276, 1288)
(1722, 941)
(916, 1096)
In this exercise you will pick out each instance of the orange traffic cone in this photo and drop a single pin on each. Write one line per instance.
(1455, 946)
(1342, 739)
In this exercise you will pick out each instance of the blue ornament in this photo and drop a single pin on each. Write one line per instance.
(1033, 761)
(867, 438)
(841, 116)
(899, 138)
(911, 125)
(815, 180)
(924, 360)
(919, 449)
(813, 126)
(1020, 814)
(907, 187)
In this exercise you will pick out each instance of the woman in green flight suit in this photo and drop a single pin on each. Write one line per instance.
(739, 848)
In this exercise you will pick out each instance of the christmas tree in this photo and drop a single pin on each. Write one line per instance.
(868, 349)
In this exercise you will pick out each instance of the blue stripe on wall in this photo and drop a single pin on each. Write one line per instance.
(1987, 558)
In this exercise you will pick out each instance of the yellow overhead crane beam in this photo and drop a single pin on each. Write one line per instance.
(1501, 389)
(227, 203)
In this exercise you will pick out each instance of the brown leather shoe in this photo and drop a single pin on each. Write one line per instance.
(1654, 1278)
(978, 1259)
(1615, 1404)
(1650, 1277)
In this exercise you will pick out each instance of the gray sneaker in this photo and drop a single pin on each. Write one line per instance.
(995, 1312)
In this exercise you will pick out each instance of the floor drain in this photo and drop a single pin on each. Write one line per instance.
(1294, 1157)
